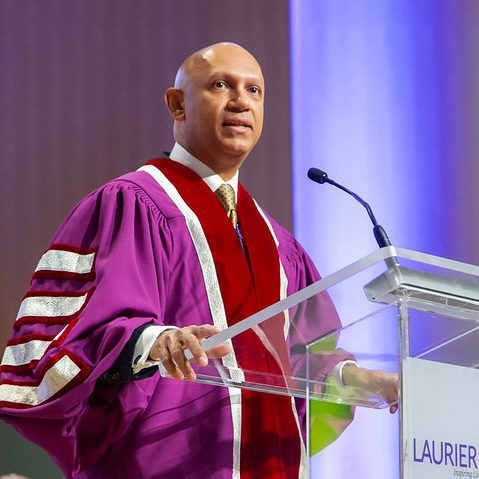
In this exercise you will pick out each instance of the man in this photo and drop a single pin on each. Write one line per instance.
(142, 270)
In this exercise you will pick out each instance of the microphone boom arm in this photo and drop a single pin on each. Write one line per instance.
(319, 176)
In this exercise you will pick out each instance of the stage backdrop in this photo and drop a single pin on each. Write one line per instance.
(385, 97)
(81, 101)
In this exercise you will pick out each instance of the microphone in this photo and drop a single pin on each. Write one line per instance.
(319, 176)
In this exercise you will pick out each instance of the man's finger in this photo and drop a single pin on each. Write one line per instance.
(219, 351)
(204, 331)
(183, 364)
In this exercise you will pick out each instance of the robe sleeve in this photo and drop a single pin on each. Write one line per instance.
(314, 318)
(101, 281)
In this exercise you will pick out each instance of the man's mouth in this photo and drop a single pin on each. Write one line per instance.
(237, 123)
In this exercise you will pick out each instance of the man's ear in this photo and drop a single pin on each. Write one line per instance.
(174, 102)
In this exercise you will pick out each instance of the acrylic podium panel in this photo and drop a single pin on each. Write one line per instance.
(398, 309)
(434, 304)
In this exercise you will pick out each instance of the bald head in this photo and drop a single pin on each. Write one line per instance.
(198, 62)
(217, 105)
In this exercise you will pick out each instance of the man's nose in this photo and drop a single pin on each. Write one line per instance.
(239, 100)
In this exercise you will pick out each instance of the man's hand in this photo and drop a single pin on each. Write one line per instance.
(170, 346)
(376, 383)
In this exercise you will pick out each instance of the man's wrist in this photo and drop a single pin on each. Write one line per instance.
(141, 355)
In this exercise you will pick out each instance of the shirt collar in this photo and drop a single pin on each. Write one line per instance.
(213, 180)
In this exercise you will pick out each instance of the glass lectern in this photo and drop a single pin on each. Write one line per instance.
(402, 312)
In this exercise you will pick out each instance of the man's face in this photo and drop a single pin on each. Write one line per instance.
(223, 107)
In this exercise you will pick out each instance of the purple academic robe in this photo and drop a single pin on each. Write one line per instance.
(129, 255)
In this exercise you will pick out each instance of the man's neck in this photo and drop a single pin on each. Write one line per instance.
(213, 179)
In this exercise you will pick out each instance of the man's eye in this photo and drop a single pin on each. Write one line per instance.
(220, 84)
(254, 89)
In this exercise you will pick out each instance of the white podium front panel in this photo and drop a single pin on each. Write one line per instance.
(441, 423)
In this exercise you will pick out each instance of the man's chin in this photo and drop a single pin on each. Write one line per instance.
(238, 149)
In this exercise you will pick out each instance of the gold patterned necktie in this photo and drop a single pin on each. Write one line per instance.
(226, 194)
